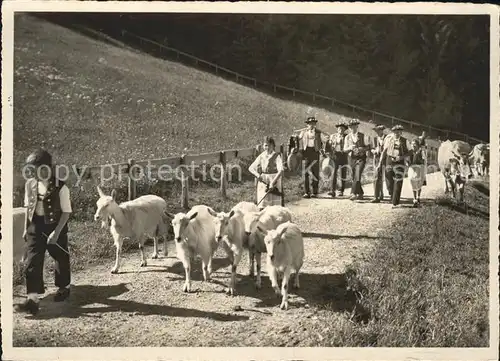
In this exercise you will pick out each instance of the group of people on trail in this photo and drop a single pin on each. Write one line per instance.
(392, 159)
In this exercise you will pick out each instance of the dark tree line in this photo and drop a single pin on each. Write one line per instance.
(425, 68)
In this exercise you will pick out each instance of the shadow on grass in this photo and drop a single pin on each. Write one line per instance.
(90, 301)
(481, 187)
(461, 208)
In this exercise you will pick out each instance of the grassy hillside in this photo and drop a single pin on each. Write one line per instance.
(89, 102)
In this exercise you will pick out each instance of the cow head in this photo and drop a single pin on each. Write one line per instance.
(460, 172)
(460, 167)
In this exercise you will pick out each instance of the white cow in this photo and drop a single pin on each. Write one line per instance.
(453, 160)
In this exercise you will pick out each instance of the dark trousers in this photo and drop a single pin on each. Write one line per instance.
(378, 184)
(357, 166)
(394, 175)
(311, 162)
(339, 163)
(36, 245)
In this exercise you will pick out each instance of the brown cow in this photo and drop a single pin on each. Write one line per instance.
(479, 157)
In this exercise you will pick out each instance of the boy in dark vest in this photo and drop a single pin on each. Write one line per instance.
(355, 147)
(312, 147)
(334, 147)
(48, 204)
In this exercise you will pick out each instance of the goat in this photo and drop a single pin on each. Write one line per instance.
(285, 252)
(246, 207)
(133, 219)
(195, 234)
(269, 218)
(230, 230)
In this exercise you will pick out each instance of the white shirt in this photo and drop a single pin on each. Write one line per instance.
(64, 199)
(263, 161)
(309, 136)
(350, 140)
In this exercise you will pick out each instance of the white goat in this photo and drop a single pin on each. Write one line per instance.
(285, 252)
(246, 207)
(267, 219)
(230, 230)
(195, 234)
(135, 219)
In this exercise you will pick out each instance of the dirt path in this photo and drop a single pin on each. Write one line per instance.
(146, 307)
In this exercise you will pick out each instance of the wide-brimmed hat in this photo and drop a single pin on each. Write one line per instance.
(353, 122)
(341, 125)
(379, 127)
(397, 127)
(311, 120)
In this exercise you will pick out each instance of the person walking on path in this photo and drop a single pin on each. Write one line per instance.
(268, 169)
(416, 170)
(355, 147)
(394, 157)
(312, 147)
(334, 148)
(48, 204)
(378, 184)
(423, 146)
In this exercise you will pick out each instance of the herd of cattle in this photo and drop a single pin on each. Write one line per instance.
(201, 230)
(458, 161)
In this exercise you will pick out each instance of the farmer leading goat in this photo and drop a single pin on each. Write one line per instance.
(48, 204)
(268, 169)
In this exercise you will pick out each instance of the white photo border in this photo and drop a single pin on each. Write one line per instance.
(250, 353)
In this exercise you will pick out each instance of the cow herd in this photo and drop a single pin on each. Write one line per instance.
(201, 230)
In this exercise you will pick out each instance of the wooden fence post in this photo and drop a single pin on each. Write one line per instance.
(132, 184)
(184, 183)
(223, 176)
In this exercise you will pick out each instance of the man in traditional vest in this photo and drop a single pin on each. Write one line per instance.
(334, 147)
(378, 184)
(355, 147)
(394, 157)
(312, 147)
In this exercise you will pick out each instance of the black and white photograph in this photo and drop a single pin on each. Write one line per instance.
(264, 176)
